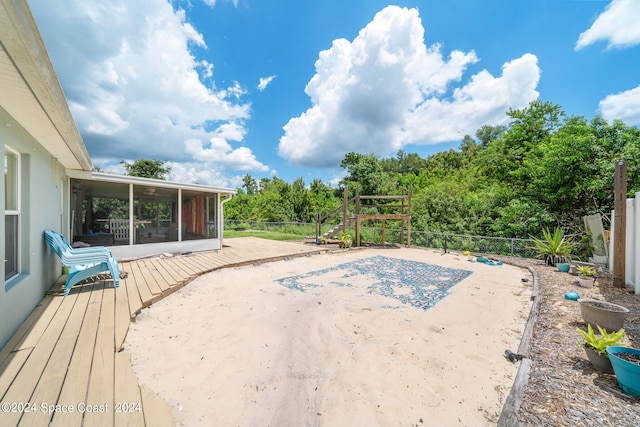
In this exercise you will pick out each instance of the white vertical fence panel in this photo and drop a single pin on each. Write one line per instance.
(633, 255)
(632, 244)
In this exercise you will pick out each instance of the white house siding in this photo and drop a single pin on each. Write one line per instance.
(41, 191)
(36, 123)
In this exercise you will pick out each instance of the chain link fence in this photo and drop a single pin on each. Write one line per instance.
(302, 229)
(444, 241)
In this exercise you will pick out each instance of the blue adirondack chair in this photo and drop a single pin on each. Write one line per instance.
(83, 262)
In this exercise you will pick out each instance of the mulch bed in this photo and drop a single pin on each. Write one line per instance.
(563, 389)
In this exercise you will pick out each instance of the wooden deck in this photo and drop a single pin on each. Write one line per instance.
(63, 367)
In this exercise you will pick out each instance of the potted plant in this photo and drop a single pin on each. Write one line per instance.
(555, 247)
(626, 366)
(607, 315)
(595, 346)
(586, 276)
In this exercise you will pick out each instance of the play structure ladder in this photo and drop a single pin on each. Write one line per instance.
(335, 230)
(404, 215)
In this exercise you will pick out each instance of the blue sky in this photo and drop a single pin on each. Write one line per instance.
(222, 88)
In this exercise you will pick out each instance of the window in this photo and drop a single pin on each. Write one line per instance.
(11, 214)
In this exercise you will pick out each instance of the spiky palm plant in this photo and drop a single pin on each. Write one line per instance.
(554, 247)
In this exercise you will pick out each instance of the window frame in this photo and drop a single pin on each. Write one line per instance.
(16, 212)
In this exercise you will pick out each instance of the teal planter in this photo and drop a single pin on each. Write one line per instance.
(627, 373)
(563, 267)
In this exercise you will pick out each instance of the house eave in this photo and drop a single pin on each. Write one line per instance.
(31, 92)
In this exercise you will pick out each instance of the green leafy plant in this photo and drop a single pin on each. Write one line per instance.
(555, 247)
(586, 271)
(345, 240)
(600, 343)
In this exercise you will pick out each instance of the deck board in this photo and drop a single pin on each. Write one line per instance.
(123, 318)
(141, 283)
(67, 351)
(10, 367)
(129, 413)
(15, 342)
(74, 389)
(101, 379)
(160, 279)
(186, 266)
(133, 295)
(152, 284)
(36, 331)
(167, 270)
(201, 262)
(26, 380)
(157, 412)
(50, 383)
(175, 269)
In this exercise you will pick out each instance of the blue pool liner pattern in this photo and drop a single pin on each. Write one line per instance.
(415, 283)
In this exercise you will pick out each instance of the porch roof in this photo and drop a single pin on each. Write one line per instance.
(125, 179)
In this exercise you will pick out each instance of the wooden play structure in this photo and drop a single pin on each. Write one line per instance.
(400, 205)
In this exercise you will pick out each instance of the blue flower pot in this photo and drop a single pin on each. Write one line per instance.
(627, 373)
(563, 267)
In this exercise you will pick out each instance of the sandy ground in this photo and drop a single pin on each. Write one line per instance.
(236, 347)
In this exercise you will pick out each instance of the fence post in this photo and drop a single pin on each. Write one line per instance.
(620, 225)
(345, 200)
(409, 216)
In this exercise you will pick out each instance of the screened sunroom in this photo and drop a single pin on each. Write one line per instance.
(140, 217)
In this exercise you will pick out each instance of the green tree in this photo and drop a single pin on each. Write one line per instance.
(263, 184)
(404, 163)
(561, 170)
(365, 170)
(144, 168)
(444, 163)
(300, 201)
(488, 133)
(240, 207)
(249, 184)
(504, 157)
(323, 197)
(273, 203)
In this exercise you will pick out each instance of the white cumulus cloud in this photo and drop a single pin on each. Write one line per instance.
(264, 82)
(212, 3)
(624, 106)
(387, 89)
(134, 87)
(197, 174)
(619, 25)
